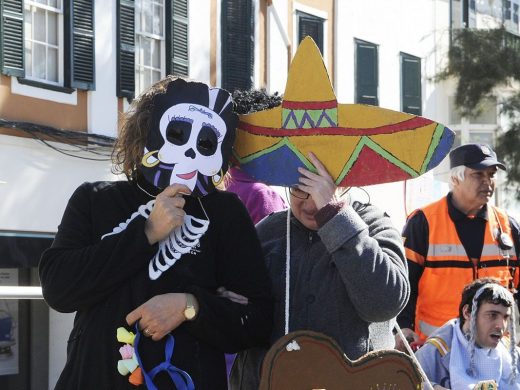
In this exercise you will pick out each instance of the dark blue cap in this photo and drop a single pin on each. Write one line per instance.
(475, 156)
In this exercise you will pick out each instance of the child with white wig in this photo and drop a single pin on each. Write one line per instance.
(478, 349)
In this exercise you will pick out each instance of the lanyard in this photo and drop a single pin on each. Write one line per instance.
(180, 378)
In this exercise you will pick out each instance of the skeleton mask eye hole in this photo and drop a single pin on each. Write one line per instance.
(178, 131)
(207, 141)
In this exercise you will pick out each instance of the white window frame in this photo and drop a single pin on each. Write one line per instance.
(466, 131)
(59, 28)
(139, 88)
(466, 128)
(43, 94)
(472, 14)
(510, 24)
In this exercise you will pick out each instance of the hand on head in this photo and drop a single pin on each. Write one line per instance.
(167, 213)
(319, 185)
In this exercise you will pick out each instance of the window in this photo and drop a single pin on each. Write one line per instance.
(474, 136)
(454, 115)
(411, 101)
(487, 116)
(482, 137)
(58, 49)
(507, 9)
(44, 41)
(24, 324)
(479, 129)
(458, 139)
(237, 44)
(469, 17)
(11, 38)
(510, 13)
(149, 43)
(178, 52)
(367, 69)
(310, 25)
(456, 14)
(152, 38)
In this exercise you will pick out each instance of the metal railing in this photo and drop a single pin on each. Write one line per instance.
(20, 292)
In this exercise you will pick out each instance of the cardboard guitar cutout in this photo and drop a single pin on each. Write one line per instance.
(358, 144)
(306, 360)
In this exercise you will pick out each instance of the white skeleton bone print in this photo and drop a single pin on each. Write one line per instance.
(180, 241)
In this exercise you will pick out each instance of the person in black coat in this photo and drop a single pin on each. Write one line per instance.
(149, 253)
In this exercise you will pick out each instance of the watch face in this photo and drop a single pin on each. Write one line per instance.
(189, 313)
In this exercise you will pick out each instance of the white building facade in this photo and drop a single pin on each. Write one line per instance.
(71, 67)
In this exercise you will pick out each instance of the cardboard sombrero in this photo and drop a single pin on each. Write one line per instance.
(358, 144)
(310, 360)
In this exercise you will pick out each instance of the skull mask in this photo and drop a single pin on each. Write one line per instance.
(193, 129)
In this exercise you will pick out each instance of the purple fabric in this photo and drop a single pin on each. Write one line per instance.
(259, 199)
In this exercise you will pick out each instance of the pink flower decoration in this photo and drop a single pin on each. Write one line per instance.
(126, 351)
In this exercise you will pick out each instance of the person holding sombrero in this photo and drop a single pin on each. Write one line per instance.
(337, 266)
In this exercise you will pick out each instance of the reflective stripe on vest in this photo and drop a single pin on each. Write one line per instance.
(447, 267)
(457, 251)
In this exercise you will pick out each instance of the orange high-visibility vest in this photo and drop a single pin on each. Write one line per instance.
(447, 267)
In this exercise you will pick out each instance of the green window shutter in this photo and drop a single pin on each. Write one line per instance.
(468, 7)
(411, 101)
(507, 9)
(237, 44)
(11, 38)
(126, 48)
(79, 44)
(367, 70)
(310, 25)
(177, 42)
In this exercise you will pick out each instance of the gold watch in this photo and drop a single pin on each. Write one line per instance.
(190, 312)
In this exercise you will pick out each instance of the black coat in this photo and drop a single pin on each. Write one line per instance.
(103, 279)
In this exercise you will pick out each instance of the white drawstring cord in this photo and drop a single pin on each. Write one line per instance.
(426, 381)
(287, 269)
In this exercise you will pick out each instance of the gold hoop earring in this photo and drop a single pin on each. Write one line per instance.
(218, 179)
(145, 158)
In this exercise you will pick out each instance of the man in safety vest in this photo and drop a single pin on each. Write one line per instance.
(455, 240)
